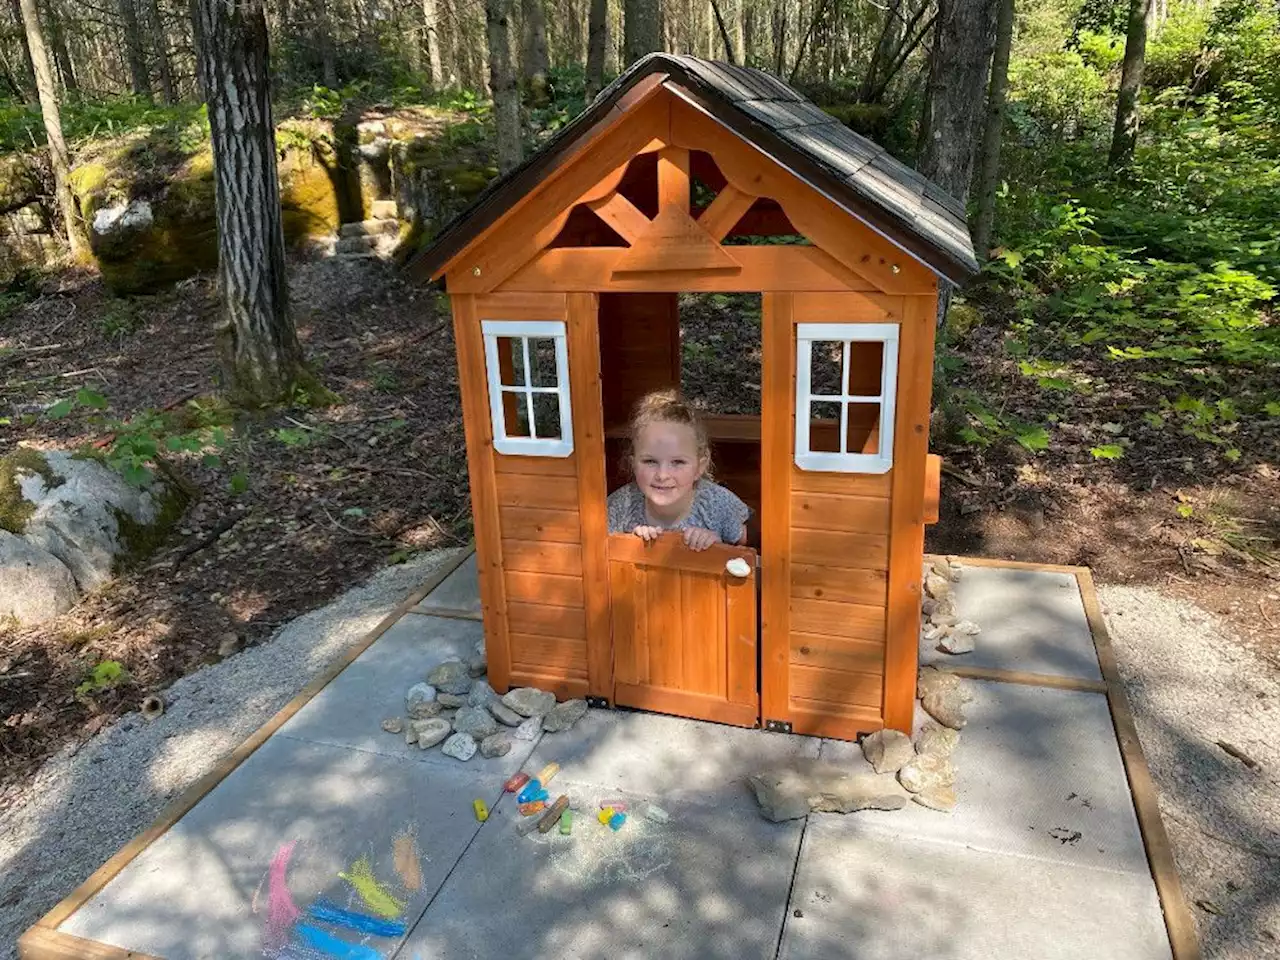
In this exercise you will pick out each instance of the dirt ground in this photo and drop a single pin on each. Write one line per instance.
(334, 493)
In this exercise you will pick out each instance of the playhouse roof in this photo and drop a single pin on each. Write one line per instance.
(860, 176)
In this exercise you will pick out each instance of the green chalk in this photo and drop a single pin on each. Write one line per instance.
(566, 822)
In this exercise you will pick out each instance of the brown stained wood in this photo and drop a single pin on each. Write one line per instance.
(825, 223)
(48, 937)
(560, 591)
(522, 306)
(864, 551)
(533, 523)
(630, 640)
(836, 653)
(762, 268)
(836, 721)
(1023, 678)
(776, 446)
(549, 655)
(1017, 564)
(622, 216)
(539, 467)
(478, 429)
(724, 212)
(842, 484)
(741, 642)
(543, 620)
(39, 943)
(672, 242)
(840, 584)
(824, 511)
(842, 688)
(664, 623)
(673, 179)
(1146, 798)
(511, 241)
(848, 308)
(932, 487)
(851, 620)
(532, 490)
(588, 433)
(639, 337)
(533, 556)
(669, 552)
(681, 703)
(911, 439)
(702, 628)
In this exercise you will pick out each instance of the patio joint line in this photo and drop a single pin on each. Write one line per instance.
(791, 889)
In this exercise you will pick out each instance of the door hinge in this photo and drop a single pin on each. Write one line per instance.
(598, 703)
(778, 726)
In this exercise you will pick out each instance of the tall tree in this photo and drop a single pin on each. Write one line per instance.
(261, 357)
(30, 76)
(534, 64)
(155, 24)
(641, 29)
(61, 52)
(597, 41)
(502, 83)
(1125, 134)
(136, 56)
(989, 162)
(431, 38)
(58, 158)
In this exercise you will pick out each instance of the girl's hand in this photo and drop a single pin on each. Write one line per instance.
(647, 534)
(696, 538)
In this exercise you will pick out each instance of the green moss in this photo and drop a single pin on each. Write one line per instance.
(465, 181)
(962, 318)
(16, 510)
(309, 195)
(140, 540)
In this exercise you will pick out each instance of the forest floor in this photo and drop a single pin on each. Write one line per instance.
(334, 493)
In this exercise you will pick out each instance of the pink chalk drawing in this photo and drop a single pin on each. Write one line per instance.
(282, 912)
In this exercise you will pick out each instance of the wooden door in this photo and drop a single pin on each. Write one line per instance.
(684, 629)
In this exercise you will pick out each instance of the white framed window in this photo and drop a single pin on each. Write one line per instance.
(527, 363)
(846, 381)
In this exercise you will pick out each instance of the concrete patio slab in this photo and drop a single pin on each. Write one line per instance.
(862, 893)
(1032, 621)
(705, 885)
(670, 758)
(1038, 774)
(459, 593)
(350, 710)
(192, 893)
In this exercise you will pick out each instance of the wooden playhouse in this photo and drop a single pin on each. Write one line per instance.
(692, 176)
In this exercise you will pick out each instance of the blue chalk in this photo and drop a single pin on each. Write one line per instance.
(360, 922)
(331, 946)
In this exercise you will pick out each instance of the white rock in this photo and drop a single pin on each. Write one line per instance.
(133, 215)
(431, 731)
(34, 584)
(937, 587)
(887, 750)
(968, 627)
(925, 771)
(932, 679)
(936, 741)
(529, 730)
(946, 706)
(461, 746)
(420, 701)
(956, 643)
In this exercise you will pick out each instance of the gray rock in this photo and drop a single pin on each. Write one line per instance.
(530, 701)
(452, 701)
(450, 677)
(477, 666)
(430, 731)
(936, 741)
(34, 584)
(229, 644)
(790, 792)
(481, 694)
(461, 746)
(928, 607)
(932, 679)
(504, 714)
(410, 736)
(940, 619)
(529, 729)
(123, 217)
(925, 772)
(393, 725)
(420, 700)
(495, 745)
(934, 633)
(968, 627)
(956, 643)
(937, 587)
(946, 706)
(887, 750)
(564, 715)
(475, 721)
(936, 798)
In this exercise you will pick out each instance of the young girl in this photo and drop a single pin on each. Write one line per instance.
(670, 457)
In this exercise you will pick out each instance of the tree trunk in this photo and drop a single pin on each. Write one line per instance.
(30, 77)
(573, 34)
(58, 158)
(136, 56)
(61, 54)
(325, 44)
(640, 29)
(597, 40)
(533, 55)
(431, 39)
(502, 82)
(989, 165)
(261, 357)
(958, 69)
(167, 88)
(1125, 134)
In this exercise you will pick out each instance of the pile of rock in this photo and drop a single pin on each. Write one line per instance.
(940, 623)
(458, 708)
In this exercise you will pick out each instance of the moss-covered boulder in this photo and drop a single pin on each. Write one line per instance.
(19, 181)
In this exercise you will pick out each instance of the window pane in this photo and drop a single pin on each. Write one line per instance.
(515, 413)
(826, 367)
(546, 414)
(511, 361)
(542, 358)
(824, 427)
(866, 364)
(864, 428)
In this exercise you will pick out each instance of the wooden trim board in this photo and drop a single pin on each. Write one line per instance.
(43, 941)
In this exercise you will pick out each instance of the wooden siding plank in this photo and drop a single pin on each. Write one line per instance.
(664, 627)
(702, 654)
(520, 306)
(840, 688)
(827, 548)
(669, 552)
(534, 556)
(852, 620)
(824, 511)
(836, 721)
(776, 439)
(549, 655)
(681, 703)
(530, 490)
(840, 584)
(540, 467)
(533, 523)
(848, 307)
(560, 591)
(842, 484)
(547, 621)
(911, 440)
(837, 653)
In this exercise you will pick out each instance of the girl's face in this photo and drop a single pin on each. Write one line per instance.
(667, 464)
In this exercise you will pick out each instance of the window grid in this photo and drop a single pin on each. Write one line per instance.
(524, 330)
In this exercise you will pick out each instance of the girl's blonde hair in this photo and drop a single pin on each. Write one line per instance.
(668, 406)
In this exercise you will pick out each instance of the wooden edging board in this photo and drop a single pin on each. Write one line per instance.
(44, 941)
(1179, 923)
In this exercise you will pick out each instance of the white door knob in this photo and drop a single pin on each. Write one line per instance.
(737, 567)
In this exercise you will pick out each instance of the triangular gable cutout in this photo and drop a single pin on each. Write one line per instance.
(673, 241)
